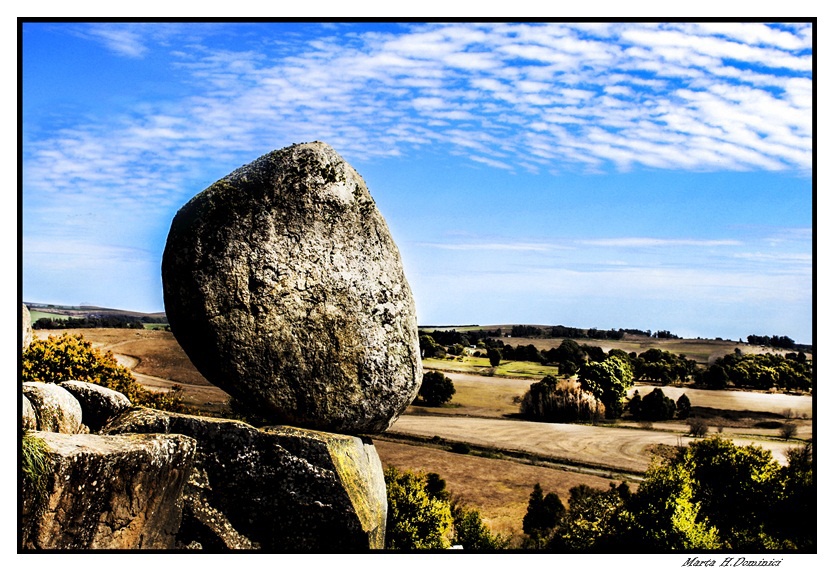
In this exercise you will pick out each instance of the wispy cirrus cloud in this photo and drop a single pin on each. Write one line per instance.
(635, 242)
(526, 96)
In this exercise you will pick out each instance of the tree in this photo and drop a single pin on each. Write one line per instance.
(471, 532)
(788, 430)
(560, 400)
(609, 381)
(662, 515)
(588, 523)
(657, 406)
(716, 377)
(569, 356)
(428, 346)
(697, 427)
(543, 513)
(736, 487)
(436, 486)
(416, 520)
(494, 356)
(794, 515)
(635, 404)
(683, 406)
(436, 389)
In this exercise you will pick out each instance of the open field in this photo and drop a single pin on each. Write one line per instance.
(498, 397)
(34, 315)
(499, 489)
(604, 447)
(156, 360)
(481, 366)
(493, 397)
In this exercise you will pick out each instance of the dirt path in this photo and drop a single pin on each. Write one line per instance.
(608, 447)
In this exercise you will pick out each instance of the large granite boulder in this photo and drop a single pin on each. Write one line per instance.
(26, 327)
(98, 404)
(107, 492)
(284, 287)
(277, 489)
(56, 410)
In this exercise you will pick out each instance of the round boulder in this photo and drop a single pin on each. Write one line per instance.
(98, 404)
(56, 410)
(284, 287)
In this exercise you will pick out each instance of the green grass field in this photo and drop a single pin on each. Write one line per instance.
(480, 366)
(35, 315)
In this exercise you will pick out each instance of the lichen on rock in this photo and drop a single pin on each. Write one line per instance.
(98, 404)
(278, 488)
(284, 287)
(109, 492)
(56, 410)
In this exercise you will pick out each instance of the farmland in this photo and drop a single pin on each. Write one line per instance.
(509, 455)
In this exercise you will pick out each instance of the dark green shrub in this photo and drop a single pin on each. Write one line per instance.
(684, 407)
(543, 514)
(471, 533)
(697, 427)
(460, 448)
(436, 389)
(494, 356)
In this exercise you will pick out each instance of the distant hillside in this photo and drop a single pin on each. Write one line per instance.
(88, 311)
(52, 316)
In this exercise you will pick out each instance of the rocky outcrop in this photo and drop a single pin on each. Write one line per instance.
(276, 488)
(98, 404)
(56, 410)
(26, 327)
(284, 287)
(108, 492)
(28, 419)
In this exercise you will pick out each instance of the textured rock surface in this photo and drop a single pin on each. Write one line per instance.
(56, 410)
(278, 488)
(109, 492)
(98, 404)
(284, 287)
(26, 327)
(28, 419)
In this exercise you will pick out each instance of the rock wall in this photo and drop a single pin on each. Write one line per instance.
(108, 492)
(277, 488)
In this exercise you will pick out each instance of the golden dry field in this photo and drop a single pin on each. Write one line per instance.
(499, 489)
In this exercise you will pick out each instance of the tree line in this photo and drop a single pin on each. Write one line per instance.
(777, 341)
(792, 372)
(90, 321)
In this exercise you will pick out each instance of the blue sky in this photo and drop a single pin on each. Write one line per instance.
(636, 175)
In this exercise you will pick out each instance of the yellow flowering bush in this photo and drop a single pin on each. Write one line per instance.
(71, 357)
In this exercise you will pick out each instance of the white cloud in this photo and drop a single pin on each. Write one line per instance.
(638, 242)
(556, 97)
